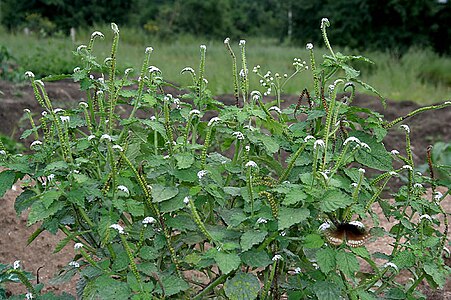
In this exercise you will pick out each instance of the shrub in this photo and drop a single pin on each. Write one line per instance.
(175, 198)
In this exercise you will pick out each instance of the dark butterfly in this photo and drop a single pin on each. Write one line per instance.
(353, 233)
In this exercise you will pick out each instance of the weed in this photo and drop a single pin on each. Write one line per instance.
(199, 200)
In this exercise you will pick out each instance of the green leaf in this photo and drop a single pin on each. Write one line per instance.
(252, 237)
(161, 193)
(227, 262)
(294, 196)
(313, 240)
(435, 273)
(173, 285)
(243, 286)
(184, 160)
(104, 287)
(334, 199)
(121, 262)
(404, 259)
(378, 158)
(135, 208)
(233, 217)
(40, 212)
(326, 259)
(256, 259)
(7, 179)
(24, 201)
(291, 216)
(347, 263)
(148, 253)
(326, 290)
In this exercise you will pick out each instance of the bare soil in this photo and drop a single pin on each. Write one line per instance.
(426, 129)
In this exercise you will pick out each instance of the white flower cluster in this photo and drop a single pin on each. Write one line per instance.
(299, 65)
(267, 81)
(118, 227)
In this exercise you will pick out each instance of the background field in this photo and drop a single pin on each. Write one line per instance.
(418, 75)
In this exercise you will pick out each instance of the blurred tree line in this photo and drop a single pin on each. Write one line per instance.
(360, 24)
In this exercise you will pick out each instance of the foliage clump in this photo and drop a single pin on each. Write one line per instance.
(170, 197)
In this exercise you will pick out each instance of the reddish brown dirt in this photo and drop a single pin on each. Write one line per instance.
(427, 128)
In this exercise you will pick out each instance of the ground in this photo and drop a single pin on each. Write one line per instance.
(426, 129)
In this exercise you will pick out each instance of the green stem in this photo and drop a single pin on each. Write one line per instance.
(417, 111)
(212, 285)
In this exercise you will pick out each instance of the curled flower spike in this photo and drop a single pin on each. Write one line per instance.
(29, 74)
(188, 69)
(391, 265)
(203, 47)
(153, 69)
(117, 147)
(351, 139)
(128, 71)
(405, 127)
(365, 146)
(309, 46)
(297, 270)
(2, 152)
(276, 109)
(149, 50)
(362, 171)
(118, 227)
(35, 143)
(407, 167)
(318, 143)
(394, 152)
(105, 137)
(308, 138)
(354, 184)
(186, 199)
(262, 221)
(393, 173)
(29, 296)
(65, 119)
(83, 104)
(238, 135)
(51, 177)
(77, 69)
(283, 233)
(213, 121)
(325, 23)
(227, 40)
(78, 246)
(447, 251)
(247, 148)
(242, 42)
(194, 112)
(16, 265)
(96, 34)
(81, 47)
(40, 82)
(91, 137)
(256, 95)
(58, 110)
(124, 189)
(418, 185)
(324, 175)
(114, 28)
(26, 110)
(148, 220)
(277, 257)
(437, 196)
(324, 226)
(251, 164)
(201, 174)
(426, 216)
(74, 264)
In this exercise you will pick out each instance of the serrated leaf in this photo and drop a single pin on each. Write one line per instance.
(256, 259)
(334, 199)
(378, 158)
(40, 212)
(173, 285)
(135, 208)
(104, 287)
(233, 217)
(435, 273)
(243, 286)
(227, 262)
(24, 201)
(7, 179)
(404, 259)
(326, 290)
(293, 197)
(313, 240)
(347, 263)
(290, 216)
(161, 193)
(120, 262)
(252, 237)
(326, 259)
(184, 160)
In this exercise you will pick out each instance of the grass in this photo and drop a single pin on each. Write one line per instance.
(419, 75)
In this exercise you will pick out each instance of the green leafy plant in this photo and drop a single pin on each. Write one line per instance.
(166, 197)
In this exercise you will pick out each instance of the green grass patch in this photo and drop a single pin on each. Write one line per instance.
(419, 75)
